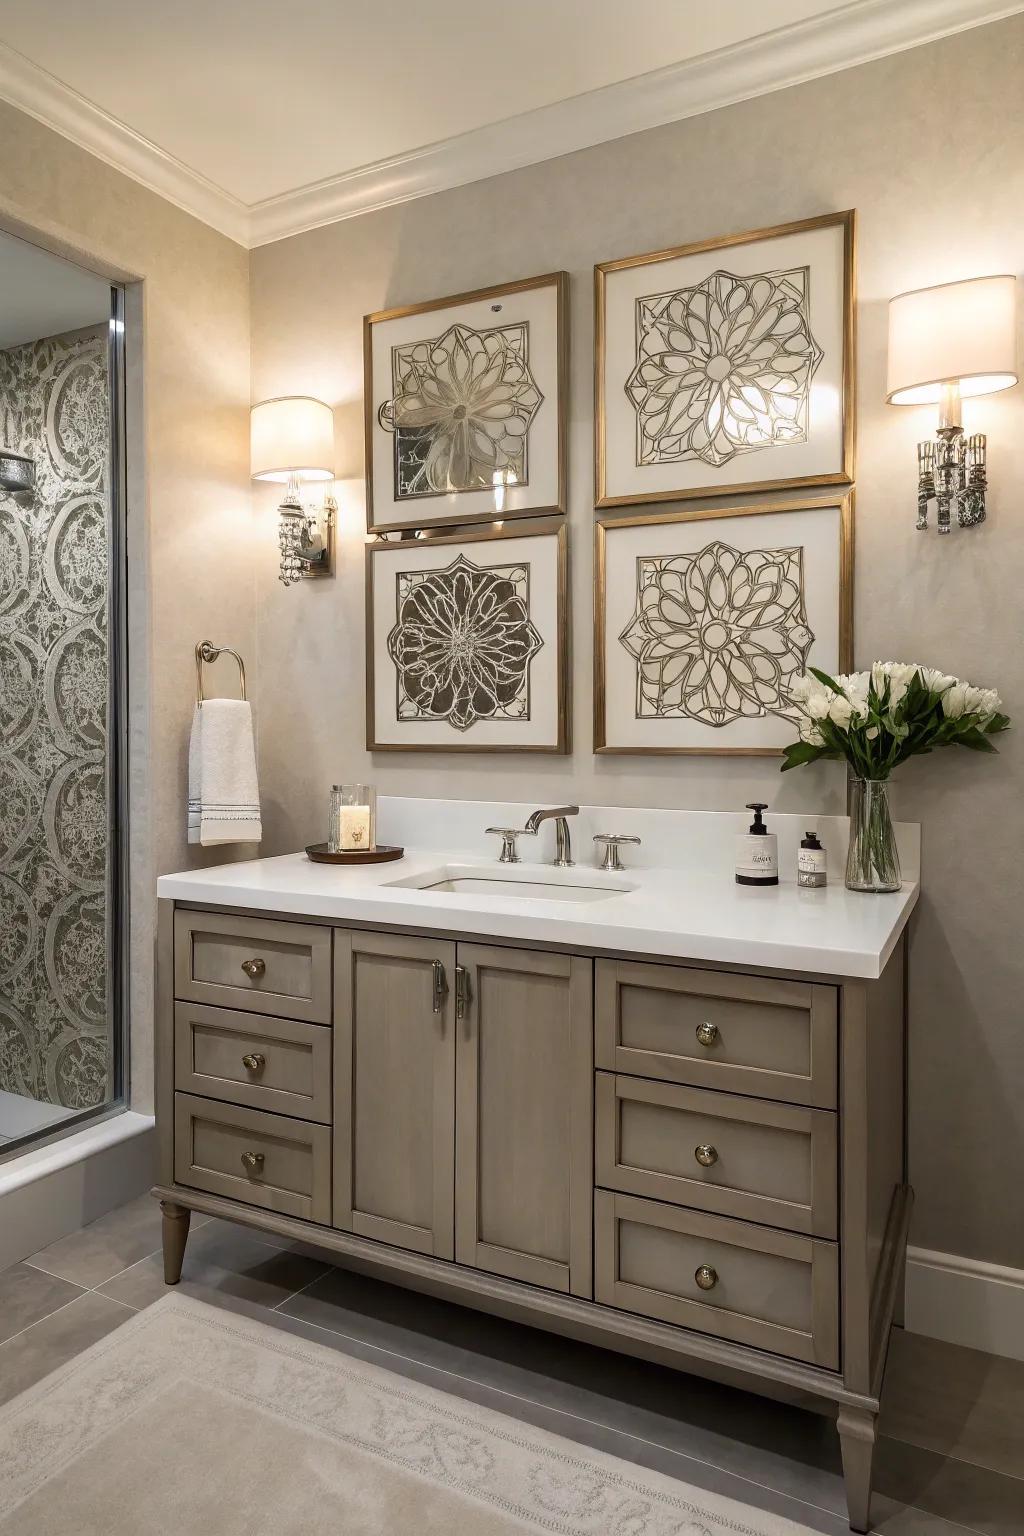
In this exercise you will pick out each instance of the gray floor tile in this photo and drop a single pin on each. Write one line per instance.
(975, 1497)
(958, 1402)
(271, 1239)
(891, 1519)
(219, 1260)
(101, 1250)
(38, 1350)
(27, 1296)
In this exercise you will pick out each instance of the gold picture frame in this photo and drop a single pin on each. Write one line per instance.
(605, 525)
(843, 475)
(377, 521)
(496, 534)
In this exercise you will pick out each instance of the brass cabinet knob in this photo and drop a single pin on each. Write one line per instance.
(706, 1155)
(254, 968)
(255, 1061)
(252, 1162)
(706, 1277)
(707, 1033)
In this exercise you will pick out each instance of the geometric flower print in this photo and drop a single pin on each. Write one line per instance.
(55, 1040)
(718, 635)
(461, 411)
(463, 644)
(723, 368)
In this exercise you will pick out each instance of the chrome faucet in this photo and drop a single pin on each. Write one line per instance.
(563, 847)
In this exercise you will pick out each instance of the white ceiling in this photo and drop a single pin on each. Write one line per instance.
(265, 117)
(41, 295)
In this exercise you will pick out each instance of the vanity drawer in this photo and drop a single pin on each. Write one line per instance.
(281, 1164)
(253, 963)
(275, 1064)
(741, 1034)
(770, 1290)
(772, 1163)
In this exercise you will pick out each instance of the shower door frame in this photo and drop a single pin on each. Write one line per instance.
(118, 932)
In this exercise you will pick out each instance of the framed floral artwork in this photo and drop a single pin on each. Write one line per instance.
(465, 406)
(726, 366)
(703, 619)
(466, 641)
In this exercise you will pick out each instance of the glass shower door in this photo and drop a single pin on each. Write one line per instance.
(62, 914)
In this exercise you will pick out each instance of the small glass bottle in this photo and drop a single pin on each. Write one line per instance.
(811, 862)
(353, 819)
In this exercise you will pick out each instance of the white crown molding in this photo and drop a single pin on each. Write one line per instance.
(42, 96)
(854, 34)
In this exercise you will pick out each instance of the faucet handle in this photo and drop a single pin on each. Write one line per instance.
(612, 842)
(509, 853)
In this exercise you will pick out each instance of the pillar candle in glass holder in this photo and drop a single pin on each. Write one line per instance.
(352, 818)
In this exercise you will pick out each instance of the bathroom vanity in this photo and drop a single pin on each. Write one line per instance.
(642, 1107)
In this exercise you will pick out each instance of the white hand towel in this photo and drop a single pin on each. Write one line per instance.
(223, 793)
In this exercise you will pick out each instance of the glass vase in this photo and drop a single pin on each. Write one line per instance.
(872, 863)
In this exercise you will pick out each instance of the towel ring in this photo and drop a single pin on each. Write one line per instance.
(205, 651)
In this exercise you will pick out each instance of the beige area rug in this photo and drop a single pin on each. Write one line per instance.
(191, 1421)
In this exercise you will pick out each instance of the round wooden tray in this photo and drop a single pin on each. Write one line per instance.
(382, 854)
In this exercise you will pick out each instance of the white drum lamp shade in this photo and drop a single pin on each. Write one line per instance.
(957, 333)
(292, 437)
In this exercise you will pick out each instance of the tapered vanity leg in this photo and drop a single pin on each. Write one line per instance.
(857, 1430)
(175, 1236)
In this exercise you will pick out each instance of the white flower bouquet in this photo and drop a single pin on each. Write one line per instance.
(876, 720)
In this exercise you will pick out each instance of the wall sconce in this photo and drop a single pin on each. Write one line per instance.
(945, 343)
(292, 442)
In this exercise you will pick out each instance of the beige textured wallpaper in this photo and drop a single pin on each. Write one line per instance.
(928, 146)
(189, 542)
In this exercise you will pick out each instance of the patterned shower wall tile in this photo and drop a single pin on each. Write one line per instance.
(54, 1033)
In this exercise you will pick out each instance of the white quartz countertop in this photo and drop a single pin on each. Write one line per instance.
(676, 913)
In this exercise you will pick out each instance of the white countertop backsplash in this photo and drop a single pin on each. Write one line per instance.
(682, 902)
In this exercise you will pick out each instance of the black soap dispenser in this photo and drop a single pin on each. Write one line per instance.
(757, 852)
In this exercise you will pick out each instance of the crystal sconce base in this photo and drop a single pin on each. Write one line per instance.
(305, 538)
(951, 471)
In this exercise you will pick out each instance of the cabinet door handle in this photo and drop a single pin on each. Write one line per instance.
(461, 991)
(254, 968)
(707, 1033)
(706, 1155)
(440, 986)
(255, 1061)
(253, 1162)
(706, 1277)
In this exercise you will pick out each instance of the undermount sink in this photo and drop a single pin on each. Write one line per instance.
(535, 884)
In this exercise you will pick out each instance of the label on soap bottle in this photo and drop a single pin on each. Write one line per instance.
(757, 858)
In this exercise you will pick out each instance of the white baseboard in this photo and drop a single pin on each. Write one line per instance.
(965, 1301)
(54, 1190)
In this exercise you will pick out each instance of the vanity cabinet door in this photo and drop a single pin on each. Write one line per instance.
(394, 1090)
(524, 1120)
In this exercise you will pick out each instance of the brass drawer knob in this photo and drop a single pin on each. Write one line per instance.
(706, 1155)
(707, 1033)
(255, 1061)
(706, 1277)
(254, 968)
(252, 1162)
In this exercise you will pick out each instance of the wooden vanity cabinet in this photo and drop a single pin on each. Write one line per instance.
(462, 1086)
(700, 1166)
(524, 1116)
(394, 1090)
